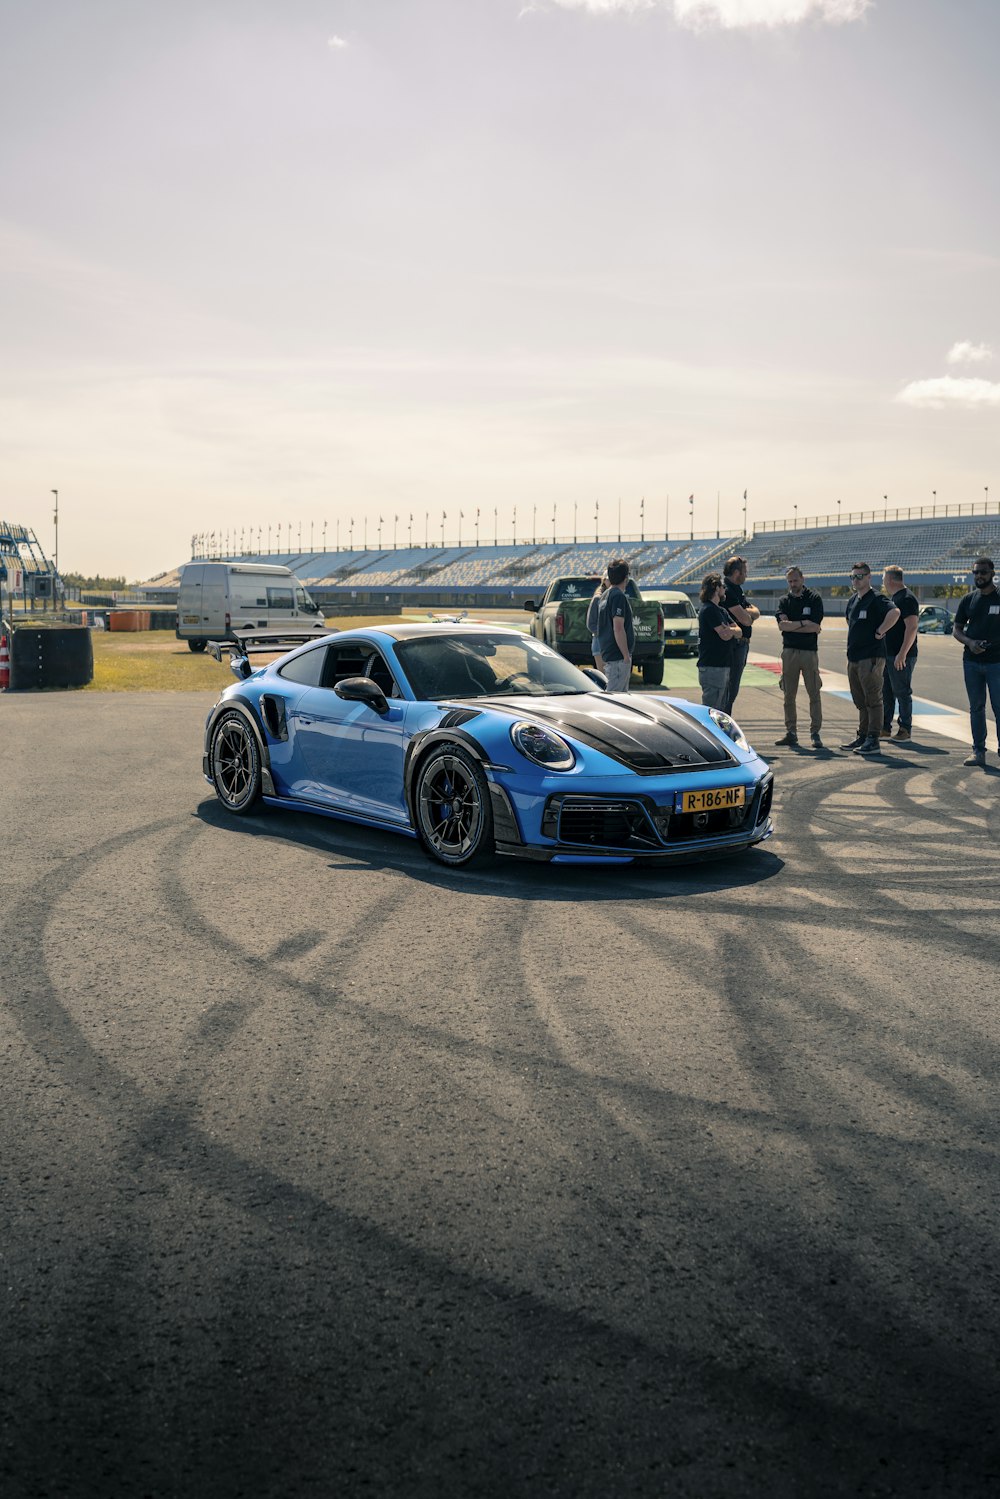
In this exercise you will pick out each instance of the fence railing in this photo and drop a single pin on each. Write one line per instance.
(205, 552)
(958, 511)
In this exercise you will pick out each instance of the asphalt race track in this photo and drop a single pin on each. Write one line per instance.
(327, 1172)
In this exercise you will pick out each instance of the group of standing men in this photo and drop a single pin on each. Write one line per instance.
(881, 650)
(725, 626)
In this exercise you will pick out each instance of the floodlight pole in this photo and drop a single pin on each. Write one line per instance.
(56, 518)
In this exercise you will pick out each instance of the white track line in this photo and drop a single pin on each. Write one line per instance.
(928, 716)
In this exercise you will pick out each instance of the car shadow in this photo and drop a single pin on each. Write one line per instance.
(516, 879)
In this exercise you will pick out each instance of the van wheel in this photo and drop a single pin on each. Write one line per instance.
(235, 762)
(652, 673)
(197, 645)
(454, 815)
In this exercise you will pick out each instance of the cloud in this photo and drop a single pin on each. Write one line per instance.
(951, 390)
(969, 353)
(701, 15)
(698, 15)
(335, 43)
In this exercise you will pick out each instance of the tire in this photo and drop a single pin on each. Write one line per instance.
(197, 645)
(652, 673)
(235, 763)
(452, 808)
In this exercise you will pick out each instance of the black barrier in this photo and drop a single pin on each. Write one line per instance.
(51, 658)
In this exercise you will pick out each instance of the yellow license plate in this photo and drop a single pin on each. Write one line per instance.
(714, 801)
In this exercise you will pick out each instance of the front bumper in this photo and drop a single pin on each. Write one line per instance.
(633, 828)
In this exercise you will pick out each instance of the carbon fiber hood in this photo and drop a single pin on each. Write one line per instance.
(644, 734)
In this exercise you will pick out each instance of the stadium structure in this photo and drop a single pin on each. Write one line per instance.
(25, 571)
(935, 547)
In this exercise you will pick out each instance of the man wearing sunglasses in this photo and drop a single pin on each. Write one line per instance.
(870, 616)
(977, 626)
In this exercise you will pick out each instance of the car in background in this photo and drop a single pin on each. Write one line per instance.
(934, 619)
(479, 740)
(215, 599)
(560, 620)
(680, 620)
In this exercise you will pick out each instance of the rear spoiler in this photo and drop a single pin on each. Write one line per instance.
(262, 642)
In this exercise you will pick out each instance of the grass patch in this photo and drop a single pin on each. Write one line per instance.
(155, 661)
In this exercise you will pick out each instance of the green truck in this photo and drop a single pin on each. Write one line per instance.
(560, 620)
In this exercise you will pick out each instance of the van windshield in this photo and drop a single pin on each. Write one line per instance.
(304, 603)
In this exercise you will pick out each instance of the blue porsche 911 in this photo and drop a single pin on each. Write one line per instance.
(478, 740)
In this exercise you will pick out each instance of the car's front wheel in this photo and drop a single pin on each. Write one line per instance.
(235, 762)
(452, 806)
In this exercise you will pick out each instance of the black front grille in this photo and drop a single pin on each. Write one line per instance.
(765, 800)
(704, 824)
(598, 824)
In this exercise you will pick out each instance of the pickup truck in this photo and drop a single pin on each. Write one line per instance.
(560, 620)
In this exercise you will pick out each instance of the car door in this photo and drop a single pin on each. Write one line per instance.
(347, 755)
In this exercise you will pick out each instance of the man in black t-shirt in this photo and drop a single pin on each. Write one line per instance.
(900, 656)
(718, 632)
(977, 626)
(800, 619)
(744, 613)
(615, 630)
(869, 616)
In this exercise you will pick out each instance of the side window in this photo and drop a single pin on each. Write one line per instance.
(347, 659)
(306, 668)
(381, 674)
(280, 598)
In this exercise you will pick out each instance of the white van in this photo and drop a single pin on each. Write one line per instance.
(216, 598)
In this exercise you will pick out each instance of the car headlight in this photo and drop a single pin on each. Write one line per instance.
(542, 746)
(729, 727)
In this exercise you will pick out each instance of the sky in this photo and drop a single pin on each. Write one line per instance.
(321, 263)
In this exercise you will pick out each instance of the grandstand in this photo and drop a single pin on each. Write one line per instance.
(932, 547)
(929, 551)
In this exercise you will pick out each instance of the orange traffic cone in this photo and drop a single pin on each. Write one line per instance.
(4, 664)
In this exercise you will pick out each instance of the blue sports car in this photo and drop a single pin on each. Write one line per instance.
(478, 740)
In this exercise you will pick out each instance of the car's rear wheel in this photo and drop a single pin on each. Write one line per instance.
(652, 673)
(197, 645)
(235, 761)
(452, 805)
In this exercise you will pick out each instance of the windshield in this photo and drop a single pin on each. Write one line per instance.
(575, 588)
(677, 609)
(501, 665)
(304, 602)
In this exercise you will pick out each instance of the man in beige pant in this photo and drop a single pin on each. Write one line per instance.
(800, 619)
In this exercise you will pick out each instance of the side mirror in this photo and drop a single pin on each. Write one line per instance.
(531, 606)
(362, 690)
(596, 676)
(240, 667)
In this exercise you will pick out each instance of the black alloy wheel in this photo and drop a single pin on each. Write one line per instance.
(235, 762)
(452, 803)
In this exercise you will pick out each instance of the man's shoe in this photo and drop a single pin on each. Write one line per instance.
(790, 739)
(886, 732)
(855, 743)
(816, 741)
(902, 733)
(869, 746)
(978, 757)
